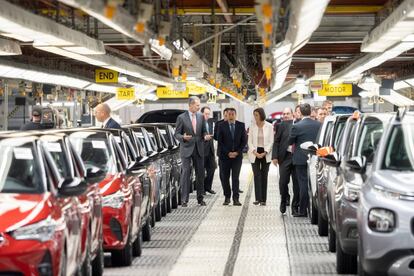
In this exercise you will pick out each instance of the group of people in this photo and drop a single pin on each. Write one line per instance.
(279, 144)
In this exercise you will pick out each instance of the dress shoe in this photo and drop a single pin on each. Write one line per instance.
(211, 192)
(202, 203)
(300, 215)
(237, 203)
(256, 202)
(226, 202)
(282, 207)
(262, 203)
(240, 191)
(184, 204)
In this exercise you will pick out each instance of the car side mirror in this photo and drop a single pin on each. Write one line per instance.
(357, 164)
(72, 186)
(309, 147)
(95, 175)
(333, 159)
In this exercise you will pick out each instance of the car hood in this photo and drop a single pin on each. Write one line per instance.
(17, 210)
(401, 182)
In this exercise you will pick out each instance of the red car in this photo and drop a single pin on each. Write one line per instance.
(121, 193)
(70, 164)
(40, 221)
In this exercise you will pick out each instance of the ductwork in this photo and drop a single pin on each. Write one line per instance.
(305, 17)
(122, 22)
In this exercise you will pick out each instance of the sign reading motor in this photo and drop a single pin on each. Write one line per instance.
(339, 90)
(106, 76)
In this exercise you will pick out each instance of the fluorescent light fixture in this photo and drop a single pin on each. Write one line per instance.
(163, 51)
(355, 69)
(21, 24)
(12, 72)
(68, 54)
(102, 88)
(9, 48)
(398, 26)
(397, 99)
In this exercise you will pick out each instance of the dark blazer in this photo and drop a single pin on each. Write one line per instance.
(216, 129)
(281, 141)
(226, 142)
(209, 145)
(305, 130)
(184, 125)
(112, 124)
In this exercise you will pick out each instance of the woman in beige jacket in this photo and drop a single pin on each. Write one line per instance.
(260, 153)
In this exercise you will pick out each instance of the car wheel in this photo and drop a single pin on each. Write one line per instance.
(98, 262)
(169, 204)
(322, 225)
(123, 257)
(146, 230)
(345, 263)
(137, 245)
(87, 263)
(331, 239)
(314, 214)
(158, 212)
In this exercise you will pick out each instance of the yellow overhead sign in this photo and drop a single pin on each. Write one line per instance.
(169, 93)
(125, 94)
(195, 89)
(339, 90)
(106, 76)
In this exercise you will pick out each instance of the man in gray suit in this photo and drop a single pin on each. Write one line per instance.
(191, 132)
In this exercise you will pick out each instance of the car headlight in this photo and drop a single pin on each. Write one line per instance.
(41, 231)
(386, 193)
(351, 191)
(381, 220)
(114, 200)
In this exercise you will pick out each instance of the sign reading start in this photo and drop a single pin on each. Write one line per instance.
(106, 76)
(125, 94)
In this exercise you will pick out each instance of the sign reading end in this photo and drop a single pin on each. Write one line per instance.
(125, 94)
(106, 76)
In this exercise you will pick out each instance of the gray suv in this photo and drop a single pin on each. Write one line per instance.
(386, 209)
(359, 143)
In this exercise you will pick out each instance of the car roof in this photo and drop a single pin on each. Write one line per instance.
(161, 116)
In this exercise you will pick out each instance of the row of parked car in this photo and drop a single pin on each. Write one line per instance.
(362, 191)
(68, 196)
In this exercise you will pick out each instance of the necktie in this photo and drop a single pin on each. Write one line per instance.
(194, 123)
(232, 130)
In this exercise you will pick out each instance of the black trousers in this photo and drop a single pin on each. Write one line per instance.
(185, 179)
(260, 171)
(286, 172)
(231, 167)
(302, 176)
(210, 168)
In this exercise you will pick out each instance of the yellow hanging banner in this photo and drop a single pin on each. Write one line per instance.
(338, 90)
(106, 76)
(126, 94)
(169, 93)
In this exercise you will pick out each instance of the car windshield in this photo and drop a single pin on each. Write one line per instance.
(368, 140)
(399, 155)
(95, 153)
(56, 150)
(339, 132)
(20, 171)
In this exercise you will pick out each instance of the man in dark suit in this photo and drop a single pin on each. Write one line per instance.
(103, 115)
(209, 155)
(303, 131)
(232, 139)
(191, 131)
(282, 156)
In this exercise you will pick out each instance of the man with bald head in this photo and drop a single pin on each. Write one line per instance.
(282, 156)
(103, 115)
